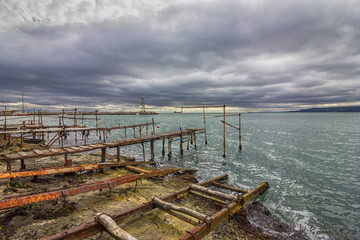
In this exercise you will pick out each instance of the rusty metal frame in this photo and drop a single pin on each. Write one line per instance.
(201, 229)
(93, 228)
(10, 202)
(60, 170)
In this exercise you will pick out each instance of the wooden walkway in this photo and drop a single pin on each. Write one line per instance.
(85, 148)
(52, 129)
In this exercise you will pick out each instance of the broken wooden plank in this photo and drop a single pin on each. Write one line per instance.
(135, 169)
(112, 228)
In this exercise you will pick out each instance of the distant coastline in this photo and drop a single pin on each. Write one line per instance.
(332, 109)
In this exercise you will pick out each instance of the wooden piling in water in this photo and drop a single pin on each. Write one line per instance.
(224, 155)
(163, 147)
(204, 124)
(169, 147)
(118, 153)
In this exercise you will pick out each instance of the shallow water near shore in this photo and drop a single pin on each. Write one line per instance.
(310, 160)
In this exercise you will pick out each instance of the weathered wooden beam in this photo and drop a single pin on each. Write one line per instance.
(112, 228)
(232, 188)
(169, 206)
(135, 169)
(213, 193)
(208, 197)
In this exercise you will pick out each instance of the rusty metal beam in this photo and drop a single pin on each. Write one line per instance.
(60, 170)
(19, 201)
(93, 228)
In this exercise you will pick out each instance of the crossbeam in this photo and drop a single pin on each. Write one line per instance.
(24, 200)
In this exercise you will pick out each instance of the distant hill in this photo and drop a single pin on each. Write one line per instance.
(332, 109)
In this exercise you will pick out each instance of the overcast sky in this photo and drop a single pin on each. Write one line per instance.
(255, 55)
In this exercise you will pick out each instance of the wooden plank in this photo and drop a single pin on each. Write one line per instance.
(23, 154)
(38, 152)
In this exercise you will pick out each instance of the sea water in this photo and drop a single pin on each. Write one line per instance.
(310, 160)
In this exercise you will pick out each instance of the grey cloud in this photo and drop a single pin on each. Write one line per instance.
(254, 54)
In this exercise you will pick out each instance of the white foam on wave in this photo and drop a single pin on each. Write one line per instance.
(305, 221)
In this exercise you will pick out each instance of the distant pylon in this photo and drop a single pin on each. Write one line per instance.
(142, 108)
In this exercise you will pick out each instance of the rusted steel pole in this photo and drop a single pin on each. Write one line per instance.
(204, 124)
(224, 155)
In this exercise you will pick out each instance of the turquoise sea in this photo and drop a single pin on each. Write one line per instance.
(310, 160)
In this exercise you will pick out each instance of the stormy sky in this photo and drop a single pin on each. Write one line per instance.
(254, 55)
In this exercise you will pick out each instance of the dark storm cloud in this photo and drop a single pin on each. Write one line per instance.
(255, 54)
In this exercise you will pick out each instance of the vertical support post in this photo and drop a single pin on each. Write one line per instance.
(240, 146)
(163, 147)
(62, 116)
(204, 123)
(118, 153)
(143, 150)
(96, 119)
(147, 128)
(22, 165)
(169, 147)
(103, 154)
(152, 150)
(34, 117)
(140, 131)
(75, 124)
(125, 132)
(153, 124)
(195, 140)
(68, 162)
(5, 113)
(181, 136)
(8, 165)
(134, 132)
(42, 126)
(224, 155)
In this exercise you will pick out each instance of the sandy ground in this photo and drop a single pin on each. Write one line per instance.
(39, 220)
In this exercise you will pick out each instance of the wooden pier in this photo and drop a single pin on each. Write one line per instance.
(22, 155)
